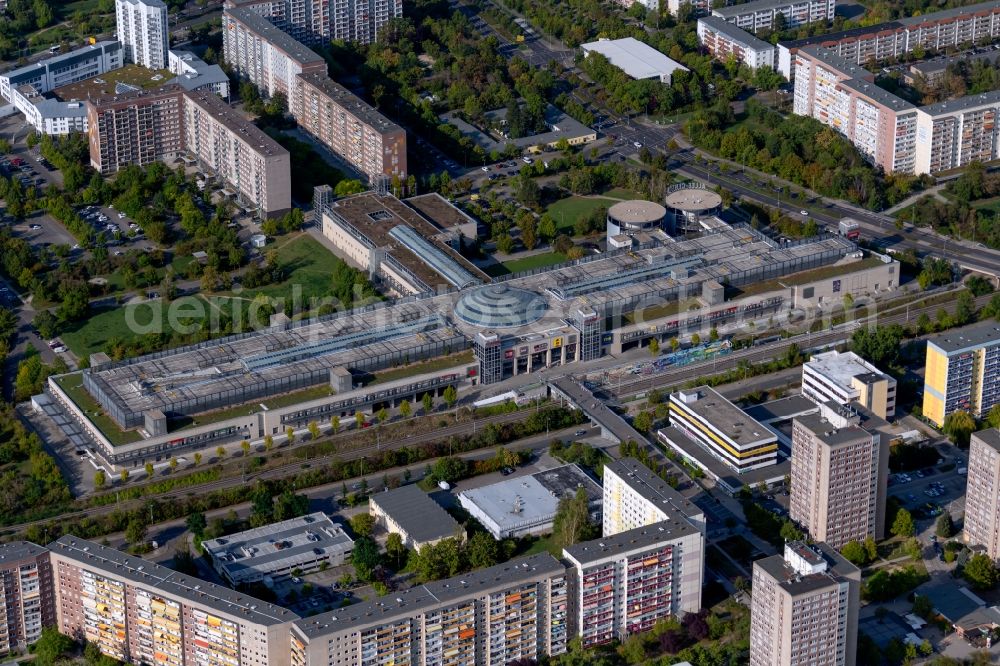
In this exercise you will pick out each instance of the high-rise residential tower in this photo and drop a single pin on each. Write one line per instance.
(142, 30)
(982, 494)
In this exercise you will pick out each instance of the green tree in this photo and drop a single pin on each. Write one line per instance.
(290, 434)
(695, 339)
(382, 415)
(363, 524)
(654, 347)
(335, 424)
(123, 475)
(450, 396)
(100, 478)
(51, 645)
(903, 525)
(572, 522)
(404, 409)
(365, 557)
(980, 572)
(245, 446)
(855, 553)
(313, 430)
(395, 549)
(482, 550)
(359, 419)
(871, 549)
(135, 532)
(959, 426)
(428, 402)
(944, 528)
(149, 470)
(197, 458)
(196, 523)
(643, 421)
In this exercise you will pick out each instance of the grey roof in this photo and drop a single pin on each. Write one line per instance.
(734, 32)
(830, 434)
(755, 6)
(795, 583)
(19, 550)
(954, 12)
(652, 488)
(630, 541)
(637, 59)
(858, 82)
(63, 59)
(264, 549)
(207, 75)
(409, 603)
(351, 102)
(728, 419)
(500, 306)
(991, 98)
(983, 334)
(782, 409)
(835, 37)
(414, 511)
(721, 471)
(277, 38)
(952, 601)
(51, 108)
(150, 575)
(990, 437)
(441, 262)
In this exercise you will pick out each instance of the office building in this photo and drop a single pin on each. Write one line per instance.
(982, 494)
(266, 56)
(962, 372)
(137, 611)
(636, 497)
(725, 40)
(51, 73)
(934, 31)
(193, 73)
(845, 377)
(490, 617)
(840, 469)
(528, 504)
(352, 129)
(411, 513)
(26, 595)
(637, 59)
(723, 429)
(761, 14)
(272, 552)
(143, 32)
(625, 583)
(250, 162)
(804, 608)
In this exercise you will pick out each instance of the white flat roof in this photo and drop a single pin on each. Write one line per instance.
(841, 367)
(638, 60)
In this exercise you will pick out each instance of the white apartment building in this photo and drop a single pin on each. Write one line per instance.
(318, 21)
(266, 56)
(805, 608)
(761, 14)
(846, 378)
(953, 134)
(840, 469)
(193, 73)
(626, 583)
(635, 497)
(724, 40)
(143, 31)
(982, 494)
(674, 6)
(51, 73)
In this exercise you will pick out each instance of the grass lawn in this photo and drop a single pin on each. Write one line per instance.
(308, 264)
(544, 544)
(622, 193)
(413, 369)
(73, 386)
(992, 205)
(108, 324)
(534, 261)
(567, 211)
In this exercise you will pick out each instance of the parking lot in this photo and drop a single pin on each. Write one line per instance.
(928, 492)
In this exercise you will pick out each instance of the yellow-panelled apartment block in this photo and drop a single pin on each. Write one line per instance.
(962, 372)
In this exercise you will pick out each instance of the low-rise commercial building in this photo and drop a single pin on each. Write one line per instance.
(845, 377)
(635, 497)
(762, 14)
(27, 594)
(193, 73)
(962, 372)
(139, 611)
(409, 512)
(724, 39)
(723, 429)
(637, 59)
(528, 504)
(839, 477)
(625, 583)
(982, 493)
(273, 552)
(350, 127)
(51, 73)
(804, 608)
(490, 617)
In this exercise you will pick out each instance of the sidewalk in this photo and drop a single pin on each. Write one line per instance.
(914, 198)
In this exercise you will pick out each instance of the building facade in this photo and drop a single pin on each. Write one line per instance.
(982, 493)
(489, 617)
(626, 583)
(137, 611)
(248, 160)
(51, 73)
(635, 497)
(846, 378)
(724, 40)
(840, 468)
(805, 608)
(26, 594)
(723, 429)
(352, 129)
(135, 128)
(143, 31)
(316, 22)
(265, 55)
(762, 14)
(962, 372)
